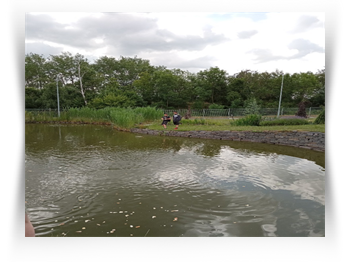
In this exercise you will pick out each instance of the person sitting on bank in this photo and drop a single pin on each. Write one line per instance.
(166, 119)
(176, 119)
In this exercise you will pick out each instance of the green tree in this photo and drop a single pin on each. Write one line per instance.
(305, 86)
(113, 79)
(36, 71)
(246, 83)
(72, 71)
(68, 97)
(319, 96)
(129, 69)
(212, 85)
(144, 87)
(234, 92)
(114, 97)
(165, 88)
(32, 97)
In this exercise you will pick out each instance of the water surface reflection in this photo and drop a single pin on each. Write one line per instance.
(95, 181)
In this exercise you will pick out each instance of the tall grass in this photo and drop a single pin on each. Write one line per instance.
(249, 120)
(121, 117)
(149, 113)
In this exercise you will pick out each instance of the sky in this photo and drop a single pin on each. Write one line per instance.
(291, 42)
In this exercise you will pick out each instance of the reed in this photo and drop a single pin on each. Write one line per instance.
(121, 117)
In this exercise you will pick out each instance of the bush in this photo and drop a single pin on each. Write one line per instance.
(249, 120)
(251, 107)
(321, 118)
(284, 122)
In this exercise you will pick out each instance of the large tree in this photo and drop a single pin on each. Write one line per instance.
(212, 85)
(36, 71)
(71, 71)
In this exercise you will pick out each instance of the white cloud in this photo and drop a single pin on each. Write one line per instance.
(231, 41)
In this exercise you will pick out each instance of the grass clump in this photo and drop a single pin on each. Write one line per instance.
(249, 120)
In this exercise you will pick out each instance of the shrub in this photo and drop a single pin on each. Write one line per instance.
(284, 122)
(321, 118)
(249, 120)
(251, 107)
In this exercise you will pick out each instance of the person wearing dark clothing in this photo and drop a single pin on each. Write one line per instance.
(176, 119)
(166, 119)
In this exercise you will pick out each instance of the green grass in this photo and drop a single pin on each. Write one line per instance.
(149, 117)
(284, 122)
(225, 125)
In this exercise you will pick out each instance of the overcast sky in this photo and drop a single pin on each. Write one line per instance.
(289, 41)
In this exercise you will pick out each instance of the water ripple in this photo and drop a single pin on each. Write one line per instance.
(119, 185)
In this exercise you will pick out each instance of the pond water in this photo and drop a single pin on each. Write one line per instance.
(85, 181)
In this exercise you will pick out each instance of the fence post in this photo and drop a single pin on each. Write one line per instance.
(310, 111)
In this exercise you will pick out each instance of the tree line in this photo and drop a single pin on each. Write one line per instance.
(134, 82)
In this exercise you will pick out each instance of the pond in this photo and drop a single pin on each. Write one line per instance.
(94, 181)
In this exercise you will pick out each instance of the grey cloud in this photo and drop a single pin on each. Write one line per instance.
(44, 28)
(82, 33)
(246, 34)
(123, 34)
(264, 55)
(201, 62)
(117, 23)
(305, 22)
(41, 48)
(175, 61)
(303, 46)
(164, 40)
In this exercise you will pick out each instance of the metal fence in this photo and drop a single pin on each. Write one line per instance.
(234, 112)
(219, 113)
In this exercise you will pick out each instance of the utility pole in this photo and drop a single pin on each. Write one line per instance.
(58, 97)
(279, 105)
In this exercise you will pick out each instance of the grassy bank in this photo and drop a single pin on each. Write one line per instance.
(149, 117)
(226, 125)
